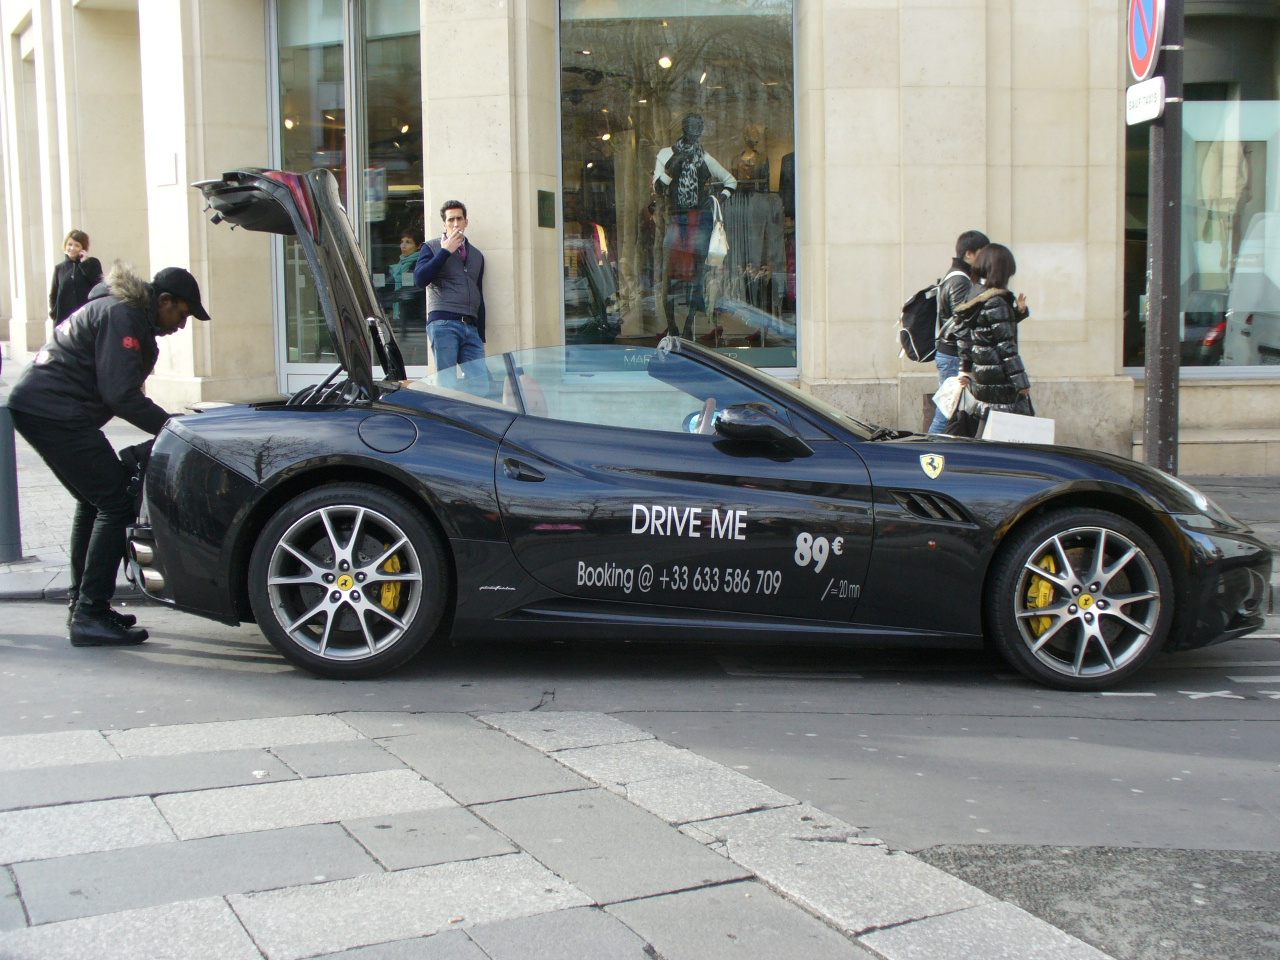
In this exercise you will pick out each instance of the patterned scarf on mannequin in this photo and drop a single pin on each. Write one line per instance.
(691, 155)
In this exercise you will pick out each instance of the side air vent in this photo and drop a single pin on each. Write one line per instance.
(929, 506)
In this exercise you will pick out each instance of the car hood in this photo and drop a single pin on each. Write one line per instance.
(307, 206)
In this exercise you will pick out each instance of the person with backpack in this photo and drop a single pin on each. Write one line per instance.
(954, 289)
(987, 339)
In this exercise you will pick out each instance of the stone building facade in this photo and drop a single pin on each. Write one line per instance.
(862, 136)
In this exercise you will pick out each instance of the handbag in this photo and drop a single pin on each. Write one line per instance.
(969, 417)
(718, 248)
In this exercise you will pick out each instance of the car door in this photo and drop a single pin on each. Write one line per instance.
(606, 495)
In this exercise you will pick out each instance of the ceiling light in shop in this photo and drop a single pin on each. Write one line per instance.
(664, 62)
(288, 124)
(607, 136)
(703, 78)
(586, 53)
(643, 101)
(405, 128)
(330, 116)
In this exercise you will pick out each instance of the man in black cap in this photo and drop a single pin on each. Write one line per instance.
(92, 370)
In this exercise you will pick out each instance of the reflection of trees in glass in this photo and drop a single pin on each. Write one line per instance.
(622, 105)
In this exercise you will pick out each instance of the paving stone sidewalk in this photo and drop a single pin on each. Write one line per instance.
(403, 836)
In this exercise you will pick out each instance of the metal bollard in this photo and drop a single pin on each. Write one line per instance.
(10, 526)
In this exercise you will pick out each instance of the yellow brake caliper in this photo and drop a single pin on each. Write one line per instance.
(1039, 595)
(391, 588)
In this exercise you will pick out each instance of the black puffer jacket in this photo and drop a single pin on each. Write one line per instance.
(987, 338)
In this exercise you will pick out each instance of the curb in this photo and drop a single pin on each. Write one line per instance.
(51, 585)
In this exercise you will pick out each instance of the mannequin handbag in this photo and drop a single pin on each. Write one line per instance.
(718, 248)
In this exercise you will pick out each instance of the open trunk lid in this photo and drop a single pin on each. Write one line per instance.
(307, 206)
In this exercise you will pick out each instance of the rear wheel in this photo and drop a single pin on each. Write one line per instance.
(348, 581)
(1080, 600)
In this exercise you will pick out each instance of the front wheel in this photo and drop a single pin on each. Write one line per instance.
(348, 581)
(1079, 600)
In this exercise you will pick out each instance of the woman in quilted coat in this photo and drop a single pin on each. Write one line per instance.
(987, 338)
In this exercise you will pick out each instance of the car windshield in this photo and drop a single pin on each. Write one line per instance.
(643, 388)
(859, 428)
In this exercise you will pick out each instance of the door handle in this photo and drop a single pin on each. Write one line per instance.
(515, 470)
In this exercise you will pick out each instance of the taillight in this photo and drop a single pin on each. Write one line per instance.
(1216, 334)
(301, 196)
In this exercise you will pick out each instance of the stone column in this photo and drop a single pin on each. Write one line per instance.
(21, 53)
(491, 131)
(99, 81)
(919, 120)
(204, 110)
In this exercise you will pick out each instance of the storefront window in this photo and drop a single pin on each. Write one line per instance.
(313, 123)
(678, 143)
(320, 106)
(1230, 294)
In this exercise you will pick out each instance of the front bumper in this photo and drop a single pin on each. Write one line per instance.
(1229, 576)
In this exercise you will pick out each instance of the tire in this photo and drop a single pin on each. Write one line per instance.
(348, 581)
(1062, 618)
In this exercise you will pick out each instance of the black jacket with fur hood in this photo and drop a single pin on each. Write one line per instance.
(987, 338)
(94, 367)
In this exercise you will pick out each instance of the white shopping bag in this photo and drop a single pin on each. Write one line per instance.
(948, 396)
(1014, 428)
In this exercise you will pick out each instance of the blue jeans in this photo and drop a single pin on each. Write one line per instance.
(947, 367)
(457, 346)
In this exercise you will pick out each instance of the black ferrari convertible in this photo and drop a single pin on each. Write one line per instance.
(616, 491)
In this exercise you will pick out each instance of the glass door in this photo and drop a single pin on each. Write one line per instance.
(349, 86)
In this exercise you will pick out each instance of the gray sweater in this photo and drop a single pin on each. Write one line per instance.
(452, 285)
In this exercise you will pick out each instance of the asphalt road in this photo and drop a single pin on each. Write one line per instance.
(1146, 823)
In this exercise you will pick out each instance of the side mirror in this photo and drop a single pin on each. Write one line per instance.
(759, 423)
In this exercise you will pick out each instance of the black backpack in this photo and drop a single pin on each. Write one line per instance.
(918, 325)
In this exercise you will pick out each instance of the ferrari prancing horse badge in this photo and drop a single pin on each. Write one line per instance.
(932, 464)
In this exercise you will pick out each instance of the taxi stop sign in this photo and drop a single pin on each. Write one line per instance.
(1145, 28)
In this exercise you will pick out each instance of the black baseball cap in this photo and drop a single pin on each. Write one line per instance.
(181, 284)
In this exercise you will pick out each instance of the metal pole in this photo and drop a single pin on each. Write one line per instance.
(10, 527)
(1164, 263)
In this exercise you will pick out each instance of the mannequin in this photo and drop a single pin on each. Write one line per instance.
(754, 221)
(683, 174)
(751, 168)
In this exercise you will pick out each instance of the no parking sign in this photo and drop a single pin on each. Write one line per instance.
(1144, 30)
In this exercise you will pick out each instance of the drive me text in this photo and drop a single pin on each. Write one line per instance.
(661, 521)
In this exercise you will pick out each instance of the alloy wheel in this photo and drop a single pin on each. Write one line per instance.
(1087, 602)
(344, 582)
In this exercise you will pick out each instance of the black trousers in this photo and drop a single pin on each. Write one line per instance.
(86, 464)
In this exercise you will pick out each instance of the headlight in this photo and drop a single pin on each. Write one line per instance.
(1203, 503)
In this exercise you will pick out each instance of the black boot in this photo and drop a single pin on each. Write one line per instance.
(124, 619)
(92, 627)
